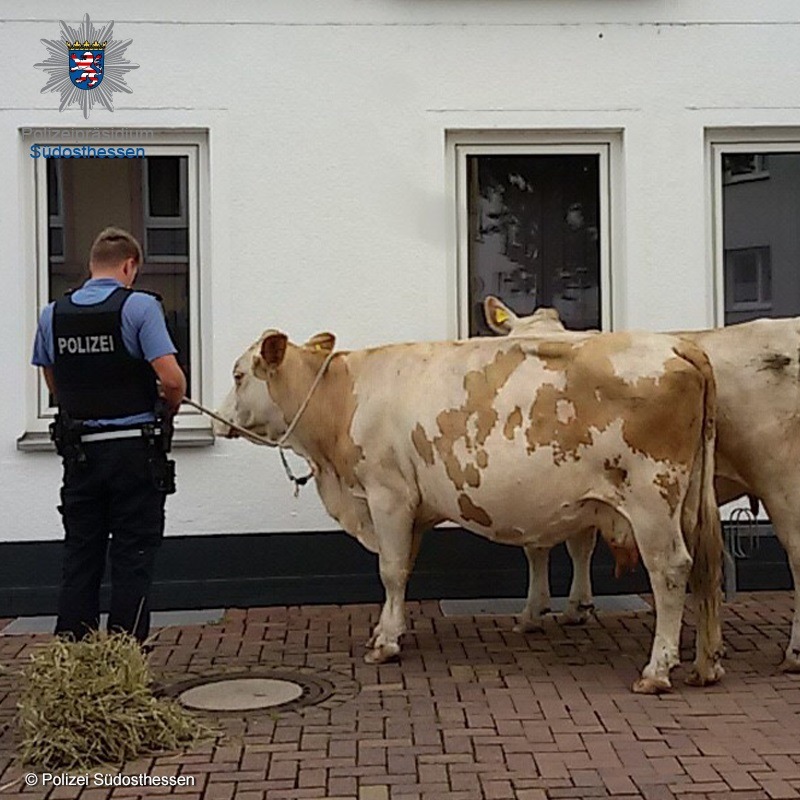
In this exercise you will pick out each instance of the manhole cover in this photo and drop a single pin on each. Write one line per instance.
(241, 694)
(259, 691)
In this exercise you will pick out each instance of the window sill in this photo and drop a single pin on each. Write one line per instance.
(39, 441)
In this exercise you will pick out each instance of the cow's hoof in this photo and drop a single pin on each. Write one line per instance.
(652, 686)
(383, 653)
(577, 616)
(706, 677)
(791, 663)
(529, 626)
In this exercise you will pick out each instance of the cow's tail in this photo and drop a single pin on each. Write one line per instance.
(703, 531)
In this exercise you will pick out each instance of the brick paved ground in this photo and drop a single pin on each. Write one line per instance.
(474, 711)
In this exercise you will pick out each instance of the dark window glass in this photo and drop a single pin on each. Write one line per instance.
(53, 205)
(745, 279)
(164, 186)
(760, 209)
(534, 236)
(56, 242)
(167, 242)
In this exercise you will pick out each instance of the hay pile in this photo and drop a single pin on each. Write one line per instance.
(91, 702)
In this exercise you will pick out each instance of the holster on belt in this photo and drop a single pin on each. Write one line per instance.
(66, 435)
(159, 442)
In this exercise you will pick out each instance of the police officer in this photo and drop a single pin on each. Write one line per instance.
(102, 349)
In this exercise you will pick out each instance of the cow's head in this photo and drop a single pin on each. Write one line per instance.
(272, 362)
(501, 319)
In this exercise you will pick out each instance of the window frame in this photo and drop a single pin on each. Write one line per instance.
(522, 144)
(721, 141)
(192, 427)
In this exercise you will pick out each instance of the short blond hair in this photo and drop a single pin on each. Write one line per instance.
(114, 245)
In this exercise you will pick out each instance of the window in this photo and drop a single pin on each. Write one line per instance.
(55, 216)
(157, 199)
(738, 167)
(757, 201)
(748, 279)
(533, 223)
(166, 227)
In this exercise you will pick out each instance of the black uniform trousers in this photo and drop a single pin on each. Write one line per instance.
(114, 492)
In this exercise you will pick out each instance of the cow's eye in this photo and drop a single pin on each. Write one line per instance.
(238, 377)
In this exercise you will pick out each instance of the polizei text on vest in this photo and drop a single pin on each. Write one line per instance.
(75, 345)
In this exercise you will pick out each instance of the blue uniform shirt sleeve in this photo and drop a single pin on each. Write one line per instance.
(144, 329)
(43, 353)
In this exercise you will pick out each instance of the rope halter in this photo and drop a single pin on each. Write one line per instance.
(281, 443)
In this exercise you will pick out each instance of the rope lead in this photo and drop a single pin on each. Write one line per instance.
(281, 443)
(298, 482)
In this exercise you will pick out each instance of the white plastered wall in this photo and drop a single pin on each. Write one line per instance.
(330, 201)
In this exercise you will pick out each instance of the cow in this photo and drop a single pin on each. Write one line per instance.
(757, 369)
(521, 441)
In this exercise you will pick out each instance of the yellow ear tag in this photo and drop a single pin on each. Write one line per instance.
(500, 316)
(318, 346)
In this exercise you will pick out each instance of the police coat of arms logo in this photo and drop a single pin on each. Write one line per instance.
(86, 66)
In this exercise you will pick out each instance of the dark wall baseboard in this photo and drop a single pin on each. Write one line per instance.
(239, 570)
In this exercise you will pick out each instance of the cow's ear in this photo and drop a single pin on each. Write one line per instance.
(321, 341)
(271, 353)
(499, 317)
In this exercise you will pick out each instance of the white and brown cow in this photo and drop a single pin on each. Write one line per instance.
(524, 442)
(757, 369)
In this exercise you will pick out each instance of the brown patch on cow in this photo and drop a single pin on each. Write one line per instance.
(616, 474)
(482, 386)
(658, 415)
(472, 476)
(324, 427)
(669, 489)
(545, 429)
(453, 426)
(345, 453)
(501, 369)
(513, 421)
(422, 445)
(473, 513)
(775, 362)
(554, 355)
(479, 402)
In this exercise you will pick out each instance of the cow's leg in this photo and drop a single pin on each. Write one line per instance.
(786, 523)
(791, 660)
(416, 541)
(538, 602)
(396, 552)
(668, 563)
(580, 605)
